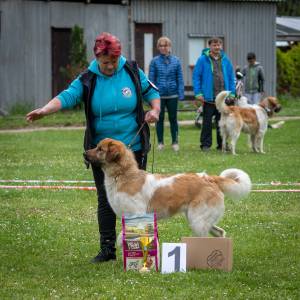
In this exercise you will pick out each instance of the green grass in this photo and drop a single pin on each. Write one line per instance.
(47, 237)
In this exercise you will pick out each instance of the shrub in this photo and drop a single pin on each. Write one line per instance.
(78, 56)
(288, 77)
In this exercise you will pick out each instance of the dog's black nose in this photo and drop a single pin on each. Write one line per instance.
(277, 108)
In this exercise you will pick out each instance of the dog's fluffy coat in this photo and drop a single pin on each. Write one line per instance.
(134, 191)
(252, 120)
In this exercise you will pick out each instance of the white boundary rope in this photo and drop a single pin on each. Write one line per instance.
(273, 183)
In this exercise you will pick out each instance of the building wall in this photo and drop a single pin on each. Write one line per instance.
(25, 38)
(247, 26)
(25, 42)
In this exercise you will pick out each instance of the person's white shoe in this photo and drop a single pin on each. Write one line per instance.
(175, 147)
(160, 147)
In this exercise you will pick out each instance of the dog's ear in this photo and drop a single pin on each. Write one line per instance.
(113, 152)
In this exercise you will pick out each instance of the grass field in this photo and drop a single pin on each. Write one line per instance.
(47, 237)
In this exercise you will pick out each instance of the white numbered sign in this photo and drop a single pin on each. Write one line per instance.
(173, 257)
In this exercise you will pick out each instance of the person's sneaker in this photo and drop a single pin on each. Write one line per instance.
(160, 146)
(175, 147)
(105, 254)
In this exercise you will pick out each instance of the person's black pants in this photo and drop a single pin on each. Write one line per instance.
(171, 105)
(210, 110)
(106, 216)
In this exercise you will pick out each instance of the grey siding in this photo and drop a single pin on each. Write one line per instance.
(245, 26)
(25, 42)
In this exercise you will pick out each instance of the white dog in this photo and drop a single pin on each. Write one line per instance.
(134, 191)
(251, 119)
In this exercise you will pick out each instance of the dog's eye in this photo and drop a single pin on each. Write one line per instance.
(99, 149)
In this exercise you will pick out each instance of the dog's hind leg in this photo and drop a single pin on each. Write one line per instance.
(253, 143)
(234, 138)
(224, 142)
(203, 218)
(217, 231)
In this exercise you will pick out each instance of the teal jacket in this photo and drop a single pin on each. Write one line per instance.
(113, 103)
(203, 76)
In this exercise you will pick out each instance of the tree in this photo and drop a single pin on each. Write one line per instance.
(288, 76)
(77, 57)
(288, 8)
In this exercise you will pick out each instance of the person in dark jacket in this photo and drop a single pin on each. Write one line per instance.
(254, 79)
(166, 73)
(113, 110)
(212, 74)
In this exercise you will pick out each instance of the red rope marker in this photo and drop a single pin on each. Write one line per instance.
(51, 187)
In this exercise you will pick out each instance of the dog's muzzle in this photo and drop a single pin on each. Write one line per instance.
(277, 108)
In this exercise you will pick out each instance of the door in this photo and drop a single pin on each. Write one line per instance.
(60, 44)
(146, 36)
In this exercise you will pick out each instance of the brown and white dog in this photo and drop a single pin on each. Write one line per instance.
(134, 191)
(252, 120)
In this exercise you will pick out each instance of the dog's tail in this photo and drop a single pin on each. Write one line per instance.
(220, 101)
(234, 183)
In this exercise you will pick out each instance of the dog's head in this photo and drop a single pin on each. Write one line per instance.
(107, 152)
(271, 105)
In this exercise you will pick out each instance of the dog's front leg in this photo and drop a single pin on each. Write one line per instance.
(261, 144)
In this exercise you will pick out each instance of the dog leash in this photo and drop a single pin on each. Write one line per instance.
(138, 132)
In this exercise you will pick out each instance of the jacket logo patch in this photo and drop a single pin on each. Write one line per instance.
(126, 91)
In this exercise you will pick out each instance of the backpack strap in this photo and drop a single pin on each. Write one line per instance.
(133, 70)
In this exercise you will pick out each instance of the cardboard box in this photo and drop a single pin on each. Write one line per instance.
(208, 253)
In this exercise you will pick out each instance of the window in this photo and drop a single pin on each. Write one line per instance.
(196, 44)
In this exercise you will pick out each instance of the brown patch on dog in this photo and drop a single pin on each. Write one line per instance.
(187, 189)
(136, 183)
(245, 115)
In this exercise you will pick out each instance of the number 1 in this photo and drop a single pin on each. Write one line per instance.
(176, 252)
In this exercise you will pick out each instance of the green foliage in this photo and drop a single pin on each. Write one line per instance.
(294, 54)
(78, 56)
(288, 8)
(48, 236)
(21, 108)
(288, 76)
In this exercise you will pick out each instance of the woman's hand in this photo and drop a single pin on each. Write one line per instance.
(35, 115)
(51, 107)
(152, 116)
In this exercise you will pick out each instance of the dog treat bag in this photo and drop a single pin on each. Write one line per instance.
(140, 242)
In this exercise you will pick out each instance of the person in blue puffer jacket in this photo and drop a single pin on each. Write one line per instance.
(166, 73)
(212, 74)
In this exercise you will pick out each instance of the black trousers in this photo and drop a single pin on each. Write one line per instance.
(106, 216)
(210, 110)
